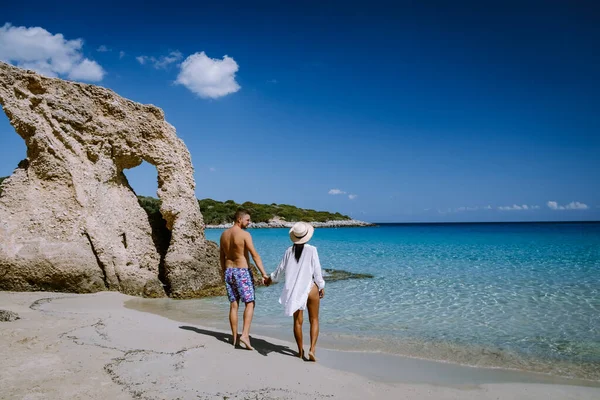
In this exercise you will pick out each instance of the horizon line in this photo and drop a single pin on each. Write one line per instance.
(487, 222)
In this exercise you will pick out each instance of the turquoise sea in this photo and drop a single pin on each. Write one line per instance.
(524, 296)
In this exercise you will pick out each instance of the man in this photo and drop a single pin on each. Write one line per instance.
(236, 246)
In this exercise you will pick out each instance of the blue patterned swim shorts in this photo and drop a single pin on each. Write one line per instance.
(239, 284)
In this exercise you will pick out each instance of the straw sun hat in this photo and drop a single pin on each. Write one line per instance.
(301, 232)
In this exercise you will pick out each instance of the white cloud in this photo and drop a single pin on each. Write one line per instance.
(103, 49)
(121, 54)
(51, 55)
(336, 191)
(87, 71)
(352, 196)
(209, 77)
(516, 207)
(273, 81)
(141, 59)
(165, 61)
(574, 205)
(212, 169)
(463, 209)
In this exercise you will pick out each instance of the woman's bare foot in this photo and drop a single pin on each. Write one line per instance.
(311, 356)
(301, 354)
(246, 341)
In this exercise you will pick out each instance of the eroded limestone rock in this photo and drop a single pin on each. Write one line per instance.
(69, 221)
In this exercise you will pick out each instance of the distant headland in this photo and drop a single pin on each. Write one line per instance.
(219, 214)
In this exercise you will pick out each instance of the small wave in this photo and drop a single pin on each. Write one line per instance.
(469, 355)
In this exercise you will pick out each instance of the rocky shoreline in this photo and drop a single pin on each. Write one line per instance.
(350, 223)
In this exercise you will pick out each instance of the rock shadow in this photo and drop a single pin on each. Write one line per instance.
(161, 235)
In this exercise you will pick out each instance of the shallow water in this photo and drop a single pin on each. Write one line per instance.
(524, 296)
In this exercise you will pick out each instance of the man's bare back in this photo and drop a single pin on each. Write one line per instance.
(237, 247)
(234, 249)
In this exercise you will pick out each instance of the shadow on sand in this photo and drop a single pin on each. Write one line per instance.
(261, 346)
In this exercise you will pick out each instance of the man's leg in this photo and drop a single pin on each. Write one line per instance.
(233, 320)
(298, 320)
(248, 314)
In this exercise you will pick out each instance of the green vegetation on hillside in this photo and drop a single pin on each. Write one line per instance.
(1, 179)
(219, 212)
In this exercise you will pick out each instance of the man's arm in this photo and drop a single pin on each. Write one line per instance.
(222, 257)
(254, 254)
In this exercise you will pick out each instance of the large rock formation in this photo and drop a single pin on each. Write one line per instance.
(69, 221)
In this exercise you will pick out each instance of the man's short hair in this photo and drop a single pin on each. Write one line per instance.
(239, 214)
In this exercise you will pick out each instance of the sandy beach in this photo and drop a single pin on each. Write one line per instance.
(67, 346)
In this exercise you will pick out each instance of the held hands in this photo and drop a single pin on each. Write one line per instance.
(321, 293)
(267, 280)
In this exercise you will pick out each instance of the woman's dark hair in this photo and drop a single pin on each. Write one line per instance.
(298, 251)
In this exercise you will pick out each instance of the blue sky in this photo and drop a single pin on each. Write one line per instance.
(410, 111)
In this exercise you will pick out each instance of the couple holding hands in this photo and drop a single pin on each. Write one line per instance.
(304, 284)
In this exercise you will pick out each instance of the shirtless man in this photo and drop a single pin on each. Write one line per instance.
(236, 245)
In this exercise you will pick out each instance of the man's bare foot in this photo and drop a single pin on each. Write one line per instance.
(234, 341)
(301, 354)
(246, 341)
(311, 356)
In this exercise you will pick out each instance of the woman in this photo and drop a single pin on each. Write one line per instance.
(304, 284)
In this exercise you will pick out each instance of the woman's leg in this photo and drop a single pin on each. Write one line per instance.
(298, 320)
(313, 315)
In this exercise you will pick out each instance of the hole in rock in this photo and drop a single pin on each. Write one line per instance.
(12, 148)
(144, 182)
